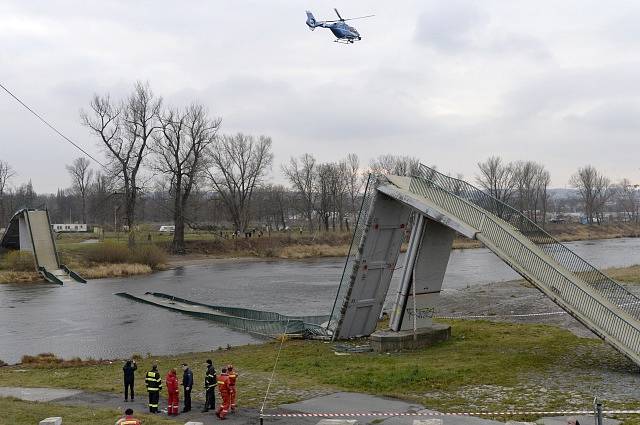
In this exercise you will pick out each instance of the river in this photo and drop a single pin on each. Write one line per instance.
(89, 321)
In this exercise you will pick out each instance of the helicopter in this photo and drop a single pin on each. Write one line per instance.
(343, 32)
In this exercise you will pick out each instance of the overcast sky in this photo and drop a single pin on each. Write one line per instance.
(450, 82)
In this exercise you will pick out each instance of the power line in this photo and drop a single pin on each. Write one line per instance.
(51, 126)
(73, 143)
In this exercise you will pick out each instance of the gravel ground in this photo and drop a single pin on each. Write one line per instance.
(496, 301)
(614, 378)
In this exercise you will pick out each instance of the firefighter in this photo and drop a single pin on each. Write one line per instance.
(233, 375)
(154, 385)
(128, 419)
(210, 387)
(173, 390)
(223, 387)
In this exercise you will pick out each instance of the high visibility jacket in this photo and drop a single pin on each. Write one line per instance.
(172, 383)
(210, 378)
(223, 383)
(128, 420)
(232, 379)
(153, 381)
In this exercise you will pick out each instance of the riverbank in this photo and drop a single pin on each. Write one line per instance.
(484, 366)
(94, 259)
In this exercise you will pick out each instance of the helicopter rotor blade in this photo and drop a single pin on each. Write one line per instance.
(338, 13)
(359, 17)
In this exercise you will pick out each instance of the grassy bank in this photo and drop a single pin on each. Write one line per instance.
(17, 412)
(625, 274)
(484, 366)
(92, 261)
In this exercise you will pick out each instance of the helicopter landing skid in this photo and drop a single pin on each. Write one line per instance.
(337, 40)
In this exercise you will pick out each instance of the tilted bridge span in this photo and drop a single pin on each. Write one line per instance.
(442, 205)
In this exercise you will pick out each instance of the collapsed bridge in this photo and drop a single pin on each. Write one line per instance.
(441, 206)
(30, 230)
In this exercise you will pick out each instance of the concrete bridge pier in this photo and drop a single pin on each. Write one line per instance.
(411, 323)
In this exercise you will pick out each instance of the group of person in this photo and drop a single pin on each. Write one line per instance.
(225, 382)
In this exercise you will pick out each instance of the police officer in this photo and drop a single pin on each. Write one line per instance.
(129, 378)
(210, 383)
(187, 383)
(154, 385)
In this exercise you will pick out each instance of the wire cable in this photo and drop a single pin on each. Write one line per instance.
(275, 365)
(51, 126)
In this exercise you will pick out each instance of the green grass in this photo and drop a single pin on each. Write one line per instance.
(17, 412)
(479, 355)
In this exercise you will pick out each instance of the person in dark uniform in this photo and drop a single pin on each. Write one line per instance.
(129, 367)
(187, 383)
(210, 383)
(154, 385)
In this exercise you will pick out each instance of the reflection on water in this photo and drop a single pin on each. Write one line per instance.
(89, 321)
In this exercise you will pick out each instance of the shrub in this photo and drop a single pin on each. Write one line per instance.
(108, 252)
(20, 261)
(42, 358)
(3, 363)
(151, 255)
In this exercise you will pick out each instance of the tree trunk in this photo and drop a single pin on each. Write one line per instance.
(84, 209)
(130, 212)
(177, 246)
(310, 221)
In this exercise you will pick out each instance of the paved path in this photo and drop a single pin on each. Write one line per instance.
(341, 402)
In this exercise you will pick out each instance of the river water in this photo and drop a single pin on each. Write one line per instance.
(89, 321)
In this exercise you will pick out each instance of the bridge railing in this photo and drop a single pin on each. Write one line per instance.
(579, 302)
(350, 262)
(607, 287)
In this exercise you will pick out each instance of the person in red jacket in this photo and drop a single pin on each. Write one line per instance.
(223, 387)
(173, 389)
(233, 375)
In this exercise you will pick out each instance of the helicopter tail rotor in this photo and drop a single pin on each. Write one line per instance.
(311, 21)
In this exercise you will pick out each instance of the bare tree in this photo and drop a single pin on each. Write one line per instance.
(238, 164)
(594, 189)
(532, 181)
(629, 199)
(180, 150)
(302, 176)
(101, 195)
(81, 176)
(354, 181)
(395, 164)
(498, 180)
(126, 130)
(6, 172)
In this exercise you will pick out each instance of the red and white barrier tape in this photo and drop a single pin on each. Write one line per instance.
(514, 413)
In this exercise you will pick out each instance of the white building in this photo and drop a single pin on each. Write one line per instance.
(76, 227)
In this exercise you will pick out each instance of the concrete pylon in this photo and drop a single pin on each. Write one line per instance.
(426, 262)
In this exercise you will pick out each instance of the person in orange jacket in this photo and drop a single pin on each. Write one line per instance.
(223, 387)
(128, 419)
(173, 402)
(233, 375)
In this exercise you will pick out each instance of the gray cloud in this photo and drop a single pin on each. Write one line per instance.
(449, 26)
(468, 80)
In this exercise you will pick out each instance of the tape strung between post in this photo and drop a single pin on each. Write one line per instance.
(512, 413)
